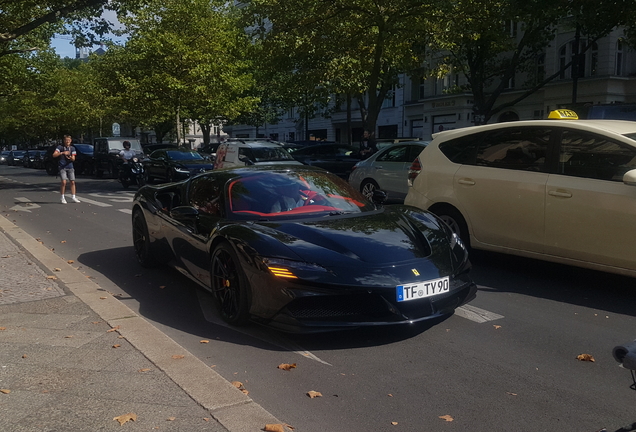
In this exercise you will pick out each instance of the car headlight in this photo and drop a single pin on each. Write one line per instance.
(290, 269)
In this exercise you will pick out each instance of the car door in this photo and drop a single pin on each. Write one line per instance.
(390, 168)
(502, 194)
(590, 212)
(156, 164)
(191, 235)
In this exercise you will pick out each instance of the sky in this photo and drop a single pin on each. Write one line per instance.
(65, 48)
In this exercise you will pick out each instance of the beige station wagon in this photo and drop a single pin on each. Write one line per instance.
(557, 190)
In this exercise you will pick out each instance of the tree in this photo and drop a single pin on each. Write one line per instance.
(184, 59)
(315, 48)
(491, 41)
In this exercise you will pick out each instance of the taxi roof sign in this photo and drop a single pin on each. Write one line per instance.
(563, 114)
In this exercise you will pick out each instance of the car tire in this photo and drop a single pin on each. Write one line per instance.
(229, 286)
(367, 187)
(141, 240)
(454, 219)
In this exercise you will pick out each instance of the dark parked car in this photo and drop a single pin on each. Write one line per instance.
(149, 148)
(336, 158)
(38, 159)
(29, 158)
(84, 160)
(298, 248)
(171, 165)
(3, 156)
(15, 157)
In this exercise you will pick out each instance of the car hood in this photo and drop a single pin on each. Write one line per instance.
(396, 234)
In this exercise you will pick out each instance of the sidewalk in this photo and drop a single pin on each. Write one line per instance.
(72, 358)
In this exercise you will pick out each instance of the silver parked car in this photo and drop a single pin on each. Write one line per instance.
(387, 170)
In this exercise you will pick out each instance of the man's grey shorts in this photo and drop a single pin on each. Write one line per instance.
(67, 174)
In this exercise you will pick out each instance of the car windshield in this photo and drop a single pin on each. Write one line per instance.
(289, 194)
(184, 155)
(265, 154)
(18, 153)
(84, 148)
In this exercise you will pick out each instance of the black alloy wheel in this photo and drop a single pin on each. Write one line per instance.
(141, 240)
(229, 286)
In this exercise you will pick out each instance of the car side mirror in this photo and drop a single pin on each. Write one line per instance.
(379, 197)
(630, 178)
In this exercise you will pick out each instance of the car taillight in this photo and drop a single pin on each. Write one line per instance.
(414, 170)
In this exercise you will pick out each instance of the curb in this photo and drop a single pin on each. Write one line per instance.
(227, 405)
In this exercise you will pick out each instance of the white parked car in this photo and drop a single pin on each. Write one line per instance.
(234, 154)
(557, 190)
(387, 170)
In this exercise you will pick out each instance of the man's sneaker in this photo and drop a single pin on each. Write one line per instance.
(63, 200)
(74, 199)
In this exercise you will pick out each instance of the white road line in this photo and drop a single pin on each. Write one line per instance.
(97, 203)
(22, 199)
(207, 307)
(476, 314)
(127, 211)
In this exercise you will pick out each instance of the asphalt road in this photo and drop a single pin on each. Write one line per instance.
(508, 362)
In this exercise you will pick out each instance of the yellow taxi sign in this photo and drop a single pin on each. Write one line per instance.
(563, 114)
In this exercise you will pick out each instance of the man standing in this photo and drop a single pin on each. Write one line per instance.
(66, 156)
(367, 145)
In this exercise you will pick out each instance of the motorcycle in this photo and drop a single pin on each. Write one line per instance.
(132, 173)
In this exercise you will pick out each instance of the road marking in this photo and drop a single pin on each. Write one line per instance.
(118, 197)
(97, 203)
(27, 207)
(206, 302)
(127, 211)
(476, 314)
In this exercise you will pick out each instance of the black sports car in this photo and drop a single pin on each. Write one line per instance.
(298, 248)
(174, 164)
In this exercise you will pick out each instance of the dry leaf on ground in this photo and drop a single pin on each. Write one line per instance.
(63, 241)
(178, 356)
(274, 428)
(57, 269)
(511, 394)
(204, 341)
(286, 366)
(171, 419)
(447, 418)
(5, 391)
(126, 417)
(144, 370)
(113, 329)
(2, 328)
(51, 277)
(585, 357)
(237, 384)
(103, 298)
(70, 261)
(116, 346)
(496, 326)
(314, 394)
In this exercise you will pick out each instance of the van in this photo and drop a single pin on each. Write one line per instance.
(106, 153)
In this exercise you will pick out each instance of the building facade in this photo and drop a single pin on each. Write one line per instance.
(420, 108)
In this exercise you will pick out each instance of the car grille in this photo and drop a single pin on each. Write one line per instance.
(340, 308)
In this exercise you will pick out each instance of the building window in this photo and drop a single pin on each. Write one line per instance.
(562, 61)
(422, 87)
(540, 67)
(389, 100)
(619, 58)
(594, 59)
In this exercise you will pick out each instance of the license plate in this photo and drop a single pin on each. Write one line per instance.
(422, 289)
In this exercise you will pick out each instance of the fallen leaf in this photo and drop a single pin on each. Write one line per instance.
(126, 417)
(394, 423)
(178, 356)
(162, 286)
(6, 256)
(63, 241)
(57, 269)
(237, 384)
(5, 391)
(204, 341)
(144, 370)
(116, 346)
(314, 394)
(206, 419)
(95, 322)
(24, 356)
(171, 419)
(585, 357)
(496, 326)
(68, 337)
(2, 328)
(285, 366)
(511, 394)
(274, 428)
(103, 298)
(70, 261)
(245, 391)
(51, 277)
(113, 329)
(447, 418)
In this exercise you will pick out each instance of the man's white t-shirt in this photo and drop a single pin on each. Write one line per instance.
(127, 154)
